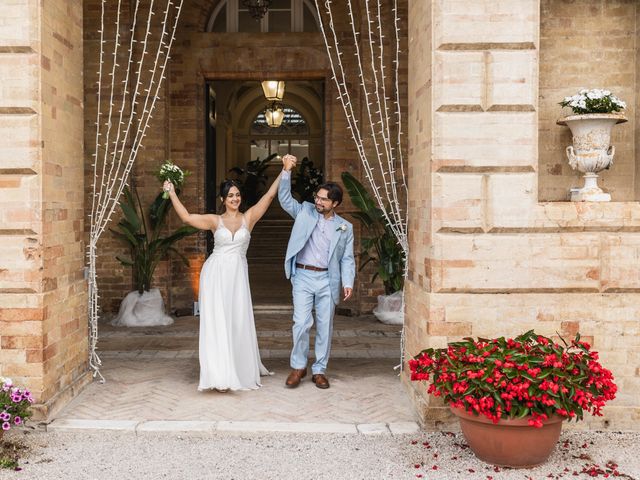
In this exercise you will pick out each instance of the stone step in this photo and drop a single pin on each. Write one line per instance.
(353, 337)
(269, 339)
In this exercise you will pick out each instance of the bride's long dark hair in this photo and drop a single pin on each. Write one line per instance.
(224, 191)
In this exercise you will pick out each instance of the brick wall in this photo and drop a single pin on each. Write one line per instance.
(43, 333)
(586, 44)
(488, 257)
(177, 131)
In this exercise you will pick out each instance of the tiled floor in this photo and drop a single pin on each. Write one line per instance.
(152, 375)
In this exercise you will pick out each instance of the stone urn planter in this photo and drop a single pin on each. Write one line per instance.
(591, 151)
(510, 442)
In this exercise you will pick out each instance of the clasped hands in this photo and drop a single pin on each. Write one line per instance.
(289, 161)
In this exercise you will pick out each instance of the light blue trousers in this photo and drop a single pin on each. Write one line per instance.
(311, 289)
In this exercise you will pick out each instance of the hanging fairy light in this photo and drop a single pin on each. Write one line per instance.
(257, 8)
(273, 90)
(274, 115)
(369, 82)
(120, 130)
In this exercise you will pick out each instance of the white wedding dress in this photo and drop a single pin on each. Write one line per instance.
(229, 355)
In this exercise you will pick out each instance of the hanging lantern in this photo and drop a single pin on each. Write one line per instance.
(257, 8)
(274, 114)
(273, 90)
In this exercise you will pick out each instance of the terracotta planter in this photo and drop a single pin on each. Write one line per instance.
(509, 443)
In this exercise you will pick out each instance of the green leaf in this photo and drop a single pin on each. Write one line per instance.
(127, 236)
(158, 211)
(147, 250)
(180, 233)
(125, 261)
(184, 259)
(129, 210)
(366, 262)
(359, 195)
(364, 218)
(388, 253)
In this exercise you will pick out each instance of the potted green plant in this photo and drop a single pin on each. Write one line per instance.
(511, 395)
(142, 234)
(593, 115)
(380, 246)
(306, 180)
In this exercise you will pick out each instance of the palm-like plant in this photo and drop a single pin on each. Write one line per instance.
(381, 245)
(307, 179)
(142, 234)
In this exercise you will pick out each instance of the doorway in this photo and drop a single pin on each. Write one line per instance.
(242, 145)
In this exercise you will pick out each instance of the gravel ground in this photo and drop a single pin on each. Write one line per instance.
(429, 455)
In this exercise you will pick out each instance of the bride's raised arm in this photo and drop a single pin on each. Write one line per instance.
(256, 212)
(203, 222)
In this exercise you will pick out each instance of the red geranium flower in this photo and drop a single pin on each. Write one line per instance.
(527, 376)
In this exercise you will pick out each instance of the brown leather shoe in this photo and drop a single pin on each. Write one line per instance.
(294, 378)
(321, 380)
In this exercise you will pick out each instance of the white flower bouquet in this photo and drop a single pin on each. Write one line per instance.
(173, 173)
(593, 101)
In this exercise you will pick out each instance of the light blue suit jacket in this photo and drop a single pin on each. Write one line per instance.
(342, 265)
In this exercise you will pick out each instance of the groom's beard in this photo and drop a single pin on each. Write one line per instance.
(322, 210)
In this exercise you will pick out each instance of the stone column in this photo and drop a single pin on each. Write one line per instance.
(43, 319)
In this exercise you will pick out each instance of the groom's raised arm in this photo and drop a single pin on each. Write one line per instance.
(287, 202)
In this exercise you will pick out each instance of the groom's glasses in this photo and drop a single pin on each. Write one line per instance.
(322, 199)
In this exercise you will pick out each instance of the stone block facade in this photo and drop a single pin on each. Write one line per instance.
(489, 256)
(43, 301)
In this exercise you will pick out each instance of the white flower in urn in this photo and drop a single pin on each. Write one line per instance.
(342, 227)
(596, 100)
(594, 112)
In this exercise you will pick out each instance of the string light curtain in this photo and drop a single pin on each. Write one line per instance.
(130, 77)
(378, 141)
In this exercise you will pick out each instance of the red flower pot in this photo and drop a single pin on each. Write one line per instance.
(509, 443)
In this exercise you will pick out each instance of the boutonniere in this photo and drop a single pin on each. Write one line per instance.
(342, 227)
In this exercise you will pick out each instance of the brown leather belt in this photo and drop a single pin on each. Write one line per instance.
(311, 267)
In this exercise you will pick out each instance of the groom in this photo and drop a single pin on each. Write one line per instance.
(319, 258)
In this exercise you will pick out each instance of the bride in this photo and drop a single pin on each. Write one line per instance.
(229, 355)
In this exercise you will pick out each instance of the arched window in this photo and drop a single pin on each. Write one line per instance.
(283, 16)
(291, 137)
